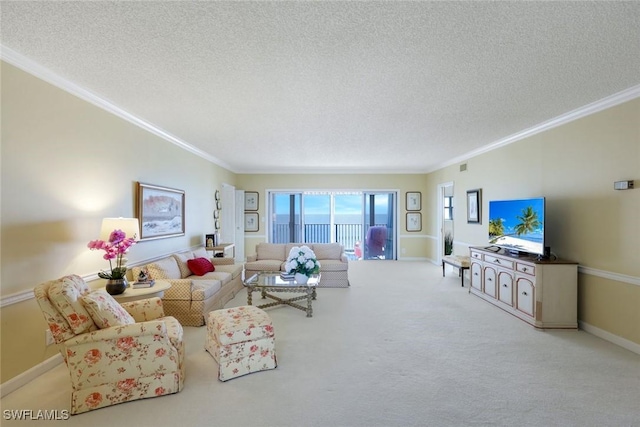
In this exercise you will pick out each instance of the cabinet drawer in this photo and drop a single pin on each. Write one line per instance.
(490, 281)
(525, 297)
(526, 268)
(476, 276)
(505, 287)
(476, 255)
(499, 261)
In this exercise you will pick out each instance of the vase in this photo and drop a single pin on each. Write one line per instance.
(116, 286)
(301, 279)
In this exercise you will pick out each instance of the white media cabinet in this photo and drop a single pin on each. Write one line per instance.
(543, 293)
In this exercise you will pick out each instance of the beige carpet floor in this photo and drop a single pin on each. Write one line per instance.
(403, 346)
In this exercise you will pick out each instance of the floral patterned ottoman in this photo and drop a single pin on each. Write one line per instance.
(241, 340)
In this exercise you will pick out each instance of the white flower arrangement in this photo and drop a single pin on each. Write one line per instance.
(302, 260)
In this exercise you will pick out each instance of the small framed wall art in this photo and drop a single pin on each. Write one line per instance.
(414, 221)
(251, 200)
(474, 203)
(414, 200)
(251, 221)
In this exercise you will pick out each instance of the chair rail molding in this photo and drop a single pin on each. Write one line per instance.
(6, 300)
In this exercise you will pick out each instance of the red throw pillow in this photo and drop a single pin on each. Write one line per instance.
(200, 266)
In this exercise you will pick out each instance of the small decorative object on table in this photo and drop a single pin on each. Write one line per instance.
(302, 263)
(210, 240)
(144, 280)
(115, 248)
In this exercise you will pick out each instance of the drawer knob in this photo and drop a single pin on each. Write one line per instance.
(497, 261)
(489, 278)
(524, 269)
(504, 285)
(524, 293)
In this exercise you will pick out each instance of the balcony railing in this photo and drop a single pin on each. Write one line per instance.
(345, 234)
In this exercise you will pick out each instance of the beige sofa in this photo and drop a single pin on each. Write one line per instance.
(191, 297)
(334, 264)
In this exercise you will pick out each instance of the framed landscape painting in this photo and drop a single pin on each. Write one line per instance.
(160, 211)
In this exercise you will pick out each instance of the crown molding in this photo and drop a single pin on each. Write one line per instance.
(597, 106)
(27, 65)
(20, 61)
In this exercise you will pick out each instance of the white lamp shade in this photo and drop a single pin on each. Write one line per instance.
(130, 226)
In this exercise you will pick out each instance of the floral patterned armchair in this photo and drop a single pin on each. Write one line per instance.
(115, 352)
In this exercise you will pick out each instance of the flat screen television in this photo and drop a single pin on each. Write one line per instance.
(518, 225)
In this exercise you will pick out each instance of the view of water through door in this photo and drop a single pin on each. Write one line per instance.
(363, 222)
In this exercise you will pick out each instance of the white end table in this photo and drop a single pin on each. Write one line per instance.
(131, 294)
(223, 247)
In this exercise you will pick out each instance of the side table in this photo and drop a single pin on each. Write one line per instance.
(134, 294)
(223, 248)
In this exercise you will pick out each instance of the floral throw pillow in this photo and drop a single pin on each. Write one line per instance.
(200, 266)
(106, 311)
(65, 297)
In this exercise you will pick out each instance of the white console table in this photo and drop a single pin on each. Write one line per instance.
(543, 293)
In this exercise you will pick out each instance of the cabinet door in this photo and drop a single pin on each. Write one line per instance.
(505, 287)
(490, 280)
(525, 296)
(476, 276)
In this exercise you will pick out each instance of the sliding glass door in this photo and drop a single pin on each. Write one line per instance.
(379, 225)
(336, 216)
(285, 224)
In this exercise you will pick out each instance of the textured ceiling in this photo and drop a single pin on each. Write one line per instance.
(335, 86)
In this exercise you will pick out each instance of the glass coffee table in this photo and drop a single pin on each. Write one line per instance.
(271, 281)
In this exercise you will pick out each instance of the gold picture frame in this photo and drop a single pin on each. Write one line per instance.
(251, 222)
(414, 221)
(413, 201)
(251, 199)
(160, 211)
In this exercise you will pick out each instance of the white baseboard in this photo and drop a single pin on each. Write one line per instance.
(27, 376)
(608, 336)
(408, 258)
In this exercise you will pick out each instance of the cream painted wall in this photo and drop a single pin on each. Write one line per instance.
(66, 164)
(413, 243)
(574, 166)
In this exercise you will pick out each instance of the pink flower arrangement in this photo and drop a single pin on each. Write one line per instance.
(115, 248)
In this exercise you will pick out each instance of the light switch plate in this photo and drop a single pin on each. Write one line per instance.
(623, 185)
